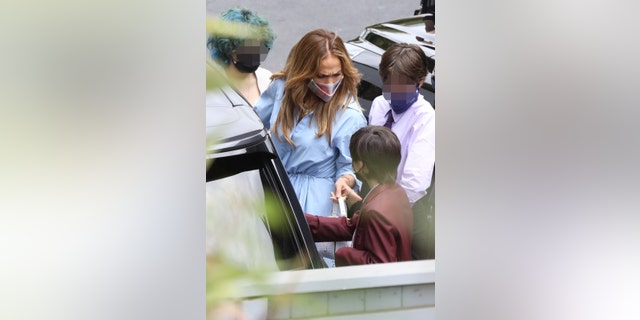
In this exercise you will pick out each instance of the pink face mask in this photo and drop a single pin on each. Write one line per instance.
(324, 91)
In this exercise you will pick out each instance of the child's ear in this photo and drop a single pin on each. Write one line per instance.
(420, 84)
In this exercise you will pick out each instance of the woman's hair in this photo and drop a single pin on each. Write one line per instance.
(379, 148)
(225, 42)
(302, 65)
(404, 59)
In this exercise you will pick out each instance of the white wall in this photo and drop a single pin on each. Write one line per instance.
(404, 290)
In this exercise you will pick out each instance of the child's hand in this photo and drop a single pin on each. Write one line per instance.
(334, 198)
(350, 198)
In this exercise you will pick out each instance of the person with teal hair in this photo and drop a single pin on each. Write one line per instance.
(240, 44)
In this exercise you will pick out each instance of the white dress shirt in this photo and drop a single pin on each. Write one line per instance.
(416, 130)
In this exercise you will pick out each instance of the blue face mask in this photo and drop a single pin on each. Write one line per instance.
(400, 101)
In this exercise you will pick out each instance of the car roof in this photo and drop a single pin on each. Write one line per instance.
(369, 46)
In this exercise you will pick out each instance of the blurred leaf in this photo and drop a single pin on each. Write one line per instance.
(232, 29)
(222, 279)
(214, 77)
(277, 221)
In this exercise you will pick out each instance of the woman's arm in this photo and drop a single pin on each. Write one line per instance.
(350, 121)
(265, 104)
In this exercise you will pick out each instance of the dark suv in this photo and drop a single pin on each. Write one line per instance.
(243, 167)
(366, 51)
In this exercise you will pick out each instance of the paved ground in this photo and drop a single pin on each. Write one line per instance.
(291, 19)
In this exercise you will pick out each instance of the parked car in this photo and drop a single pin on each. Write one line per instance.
(243, 168)
(426, 6)
(366, 51)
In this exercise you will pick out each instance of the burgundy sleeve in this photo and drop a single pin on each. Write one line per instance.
(379, 243)
(330, 228)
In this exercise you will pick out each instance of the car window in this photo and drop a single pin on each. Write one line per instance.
(428, 90)
(369, 88)
(431, 64)
(236, 206)
(368, 91)
(379, 41)
(250, 216)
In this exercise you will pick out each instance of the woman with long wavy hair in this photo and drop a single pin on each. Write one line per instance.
(311, 109)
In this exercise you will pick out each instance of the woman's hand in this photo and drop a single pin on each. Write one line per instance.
(344, 184)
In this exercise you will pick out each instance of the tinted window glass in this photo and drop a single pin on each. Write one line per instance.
(431, 64)
(235, 224)
(249, 222)
(368, 91)
(370, 87)
(378, 41)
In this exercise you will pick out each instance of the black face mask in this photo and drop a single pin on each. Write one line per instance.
(247, 63)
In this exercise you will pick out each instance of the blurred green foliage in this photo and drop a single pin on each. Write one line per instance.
(233, 29)
(223, 269)
(222, 273)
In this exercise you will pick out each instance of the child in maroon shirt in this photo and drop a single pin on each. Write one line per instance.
(381, 230)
